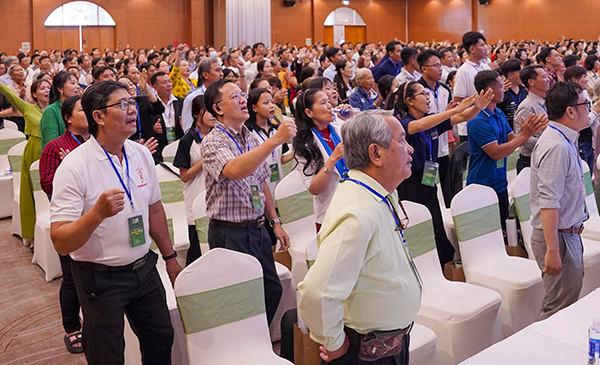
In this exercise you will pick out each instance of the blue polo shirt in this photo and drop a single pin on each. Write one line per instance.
(420, 142)
(386, 67)
(487, 127)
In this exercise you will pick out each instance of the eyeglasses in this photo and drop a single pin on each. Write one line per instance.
(403, 221)
(235, 97)
(124, 105)
(436, 65)
(587, 103)
(424, 92)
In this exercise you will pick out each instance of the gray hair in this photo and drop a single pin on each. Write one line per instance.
(8, 60)
(205, 66)
(11, 69)
(359, 132)
(360, 74)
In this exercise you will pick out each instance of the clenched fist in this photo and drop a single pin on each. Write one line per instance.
(111, 202)
(286, 131)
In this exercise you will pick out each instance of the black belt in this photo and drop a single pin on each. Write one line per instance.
(572, 230)
(249, 224)
(105, 268)
(357, 337)
(522, 156)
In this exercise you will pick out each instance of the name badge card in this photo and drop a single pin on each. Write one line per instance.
(430, 173)
(137, 234)
(274, 172)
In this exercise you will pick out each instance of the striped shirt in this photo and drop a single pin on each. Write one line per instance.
(226, 199)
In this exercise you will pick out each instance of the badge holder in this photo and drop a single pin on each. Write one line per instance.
(275, 176)
(137, 234)
(430, 173)
(500, 163)
(254, 190)
(170, 134)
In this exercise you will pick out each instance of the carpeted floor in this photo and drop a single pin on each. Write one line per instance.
(30, 322)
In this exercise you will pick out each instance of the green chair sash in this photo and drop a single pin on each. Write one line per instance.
(287, 168)
(589, 187)
(511, 160)
(420, 238)
(153, 245)
(295, 207)
(35, 180)
(202, 229)
(310, 263)
(214, 308)
(477, 222)
(171, 191)
(7, 144)
(15, 162)
(169, 159)
(523, 207)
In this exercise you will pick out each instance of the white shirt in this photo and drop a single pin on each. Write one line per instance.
(445, 71)
(195, 186)
(187, 119)
(464, 85)
(329, 72)
(79, 181)
(438, 105)
(169, 113)
(273, 158)
(405, 76)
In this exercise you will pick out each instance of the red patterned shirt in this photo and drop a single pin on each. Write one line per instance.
(50, 158)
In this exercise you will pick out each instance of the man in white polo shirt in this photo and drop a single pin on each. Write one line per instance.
(464, 84)
(105, 207)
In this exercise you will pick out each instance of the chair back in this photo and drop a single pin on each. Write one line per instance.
(42, 204)
(169, 217)
(200, 218)
(225, 310)
(511, 166)
(170, 151)
(590, 198)
(421, 242)
(9, 124)
(8, 139)
(520, 195)
(171, 189)
(477, 222)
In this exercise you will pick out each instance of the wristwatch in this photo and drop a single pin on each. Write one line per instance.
(174, 255)
(327, 171)
(275, 221)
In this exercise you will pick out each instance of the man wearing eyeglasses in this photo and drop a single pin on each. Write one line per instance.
(558, 198)
(237, 193)
(364, 282)
(168, 128)
(105, 208)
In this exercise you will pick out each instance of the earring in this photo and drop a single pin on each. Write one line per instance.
(61, 93)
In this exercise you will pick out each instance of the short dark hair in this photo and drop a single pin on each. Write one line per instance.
(67, 108)
(590, 61)
(331, 52)
(485, 78)
(100, 70)
(66, 60)
(81, 58)
(274, 82)
(58, 82)
(95, 98)
(152, 56)
(574, 72)
(443, 52)
(544, 54)
(450, 77)
(424, 56)
(198, 107)
(512, 65)
(256, 81)
(43, 58)
(470, 39)
(391, 46)
(157, 75)
(408, 53)
(560, 96)
(529, 73)
(146, 65)
(318, 83)
(213, 94)
(571, 60)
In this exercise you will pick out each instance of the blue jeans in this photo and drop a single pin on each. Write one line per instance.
(587, 154)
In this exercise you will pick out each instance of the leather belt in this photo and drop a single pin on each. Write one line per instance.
(572, 230)
(250, 224)
(105, 268)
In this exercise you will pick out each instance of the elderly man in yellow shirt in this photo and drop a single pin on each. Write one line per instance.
(364, 287)
(180, 74)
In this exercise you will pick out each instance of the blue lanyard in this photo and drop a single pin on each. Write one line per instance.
(544, 106)
(395, 66)
(263, 139)
(477, 68)
(517, 101)
(199, 135)
(572, 147)
(429, 143)
(139, 124)
(75, 138)
(380, 197)
(435, 96)
(127, 191)
(236, 142)
(341, 164)
(368, 93)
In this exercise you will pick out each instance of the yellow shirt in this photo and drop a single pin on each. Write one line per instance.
(180, 87)
(362, 277)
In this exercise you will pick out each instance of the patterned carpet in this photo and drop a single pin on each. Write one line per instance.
(30, 322)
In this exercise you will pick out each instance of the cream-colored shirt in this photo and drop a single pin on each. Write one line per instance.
(362, 277)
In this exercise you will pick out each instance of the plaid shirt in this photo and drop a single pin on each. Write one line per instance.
(230, 200)
(551, 76)
(50, 158)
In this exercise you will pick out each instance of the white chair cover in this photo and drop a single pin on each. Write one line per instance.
(44, 253)
(201, 221)
(171, 189)
(295, 206)
(465, 317)
(423, 348)
(170, 151)
(8, 139)
(592, 225)
(9, 124)
(448, 223)
(223, 314)
(486, 263)
(15, 159)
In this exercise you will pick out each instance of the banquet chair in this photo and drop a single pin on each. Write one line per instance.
(171, 189)
(223, 314)
(486, 263)
(295, 206)
(465, 317)
(201, 221)
(591, 248)
(8, 139)
(44, 253)
(9, 124)
(169, 151)
(15, 158)
(511, 168)
(592, 225)
(448, 222)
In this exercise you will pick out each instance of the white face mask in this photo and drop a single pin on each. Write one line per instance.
(213, 54)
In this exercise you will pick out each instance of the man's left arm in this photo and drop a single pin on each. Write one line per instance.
(271, 214)
(159, 232)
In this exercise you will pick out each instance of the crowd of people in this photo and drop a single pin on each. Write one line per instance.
(357, 121)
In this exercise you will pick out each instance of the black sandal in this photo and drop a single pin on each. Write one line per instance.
(69, 343)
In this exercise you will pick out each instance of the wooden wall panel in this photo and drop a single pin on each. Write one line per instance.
(438, 19)
(292, 24)
(356, 34)
(15, 25)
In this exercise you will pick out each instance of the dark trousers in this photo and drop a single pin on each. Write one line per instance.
(69, 303)
(351, 357)
(107, 296)
(411, 189)
(194, 252)
(523, 162)
(255, 242)
(504, 208)
(444, 165)
(586, 152)
(463, 139)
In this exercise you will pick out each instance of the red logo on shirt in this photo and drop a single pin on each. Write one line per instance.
(140, 173)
